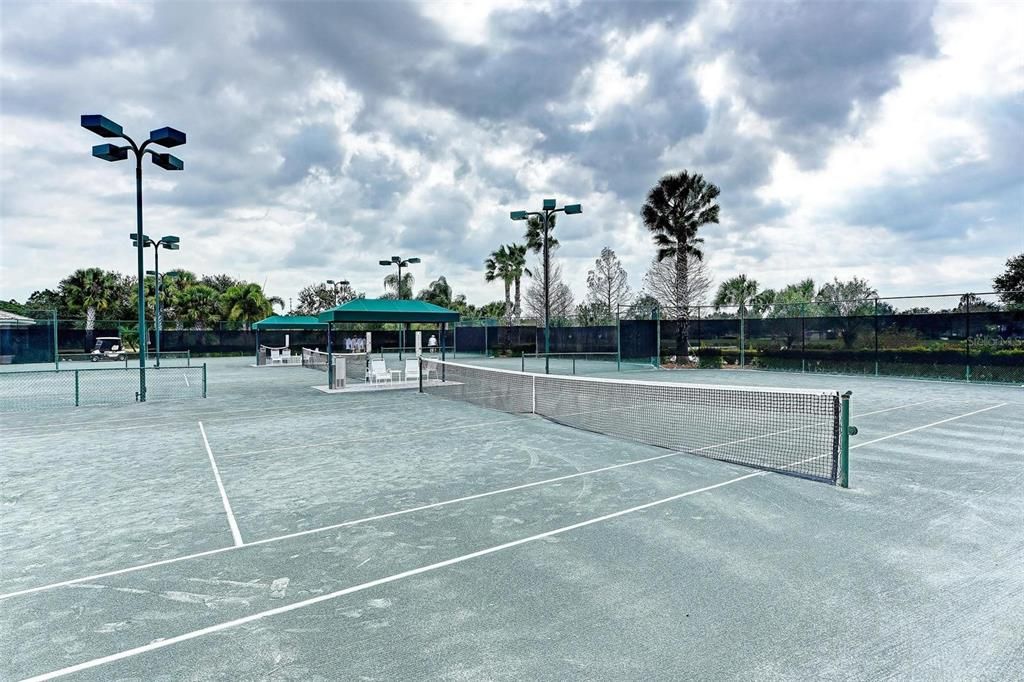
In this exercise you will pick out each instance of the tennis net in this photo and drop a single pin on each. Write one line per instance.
(355, 363)
(789, 431)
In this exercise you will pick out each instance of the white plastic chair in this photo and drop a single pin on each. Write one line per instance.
(412, 370)
(275, 356)
(379, 372)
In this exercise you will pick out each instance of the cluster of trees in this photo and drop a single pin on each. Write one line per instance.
(678, 279)
(187, 301)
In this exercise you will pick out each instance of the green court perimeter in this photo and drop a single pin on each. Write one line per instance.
(274, 532)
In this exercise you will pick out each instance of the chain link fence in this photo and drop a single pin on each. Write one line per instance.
(970, 337)
(27, 390)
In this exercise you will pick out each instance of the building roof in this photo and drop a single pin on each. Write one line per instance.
(388, 310)
(14, 320)
(289, 322)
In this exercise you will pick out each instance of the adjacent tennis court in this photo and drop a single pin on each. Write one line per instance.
(272, 531)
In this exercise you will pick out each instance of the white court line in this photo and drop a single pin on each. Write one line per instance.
(402, 512)
(162, 643)
(918, 428)
(223, 495)
(186, 381)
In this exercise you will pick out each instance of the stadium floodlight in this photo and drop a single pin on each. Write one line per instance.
(168, 162)
(110, 152)
(167, 137)
(548, 210)
(164, 137)
(401, 263)
(337, 286)
(101, 125)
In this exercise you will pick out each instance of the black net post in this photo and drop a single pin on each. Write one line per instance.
(420, 361)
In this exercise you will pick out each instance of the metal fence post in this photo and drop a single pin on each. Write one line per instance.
(77, 394)
(618, 342)
(56, 352)
(743, 341)
(967, 335)
(876, 335)
(204, 379)
(803, 338)
(657, 335)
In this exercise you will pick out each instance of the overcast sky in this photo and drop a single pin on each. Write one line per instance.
(882, 139)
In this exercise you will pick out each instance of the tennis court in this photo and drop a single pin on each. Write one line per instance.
(271, 531)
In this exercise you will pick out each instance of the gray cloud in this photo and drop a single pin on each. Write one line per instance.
(806, 65)
(324, 133)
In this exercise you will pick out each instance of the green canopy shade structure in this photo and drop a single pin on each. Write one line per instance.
(282, 322)
(388, 310)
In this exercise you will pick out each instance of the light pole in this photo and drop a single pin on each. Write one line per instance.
(337, 286)
(171, 243)
(401, 263)
(545, 224)
(164, 137)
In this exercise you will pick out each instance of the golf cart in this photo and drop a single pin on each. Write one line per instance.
(107, 348)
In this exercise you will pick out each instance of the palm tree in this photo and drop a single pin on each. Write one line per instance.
(498, 268)
(535, 234)
(246, 303)
(275, 301)
(391, 283)
(517, 268)
(90, 291)
(438, 292)
(198, 306)
(676, 208)
(737, 291)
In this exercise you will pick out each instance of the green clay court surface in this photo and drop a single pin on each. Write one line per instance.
(273, 532)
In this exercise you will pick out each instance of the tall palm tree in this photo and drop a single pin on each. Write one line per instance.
(739, 291)
(90, 290)
(246, 303)
(676, 208)
(517, 268)
(535, 234)
(497, 267)
(400, 291)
